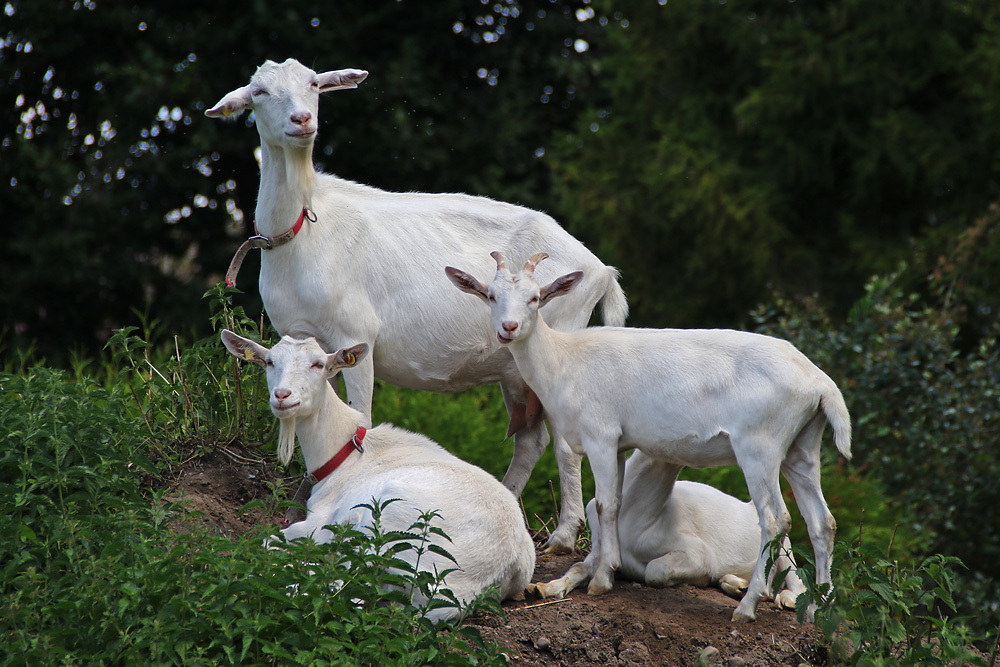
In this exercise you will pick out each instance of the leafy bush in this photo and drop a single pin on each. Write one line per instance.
(880, 613)
(97, 571)
(926, 415)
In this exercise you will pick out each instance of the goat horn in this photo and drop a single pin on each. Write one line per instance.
(501, 264)
(530, 265)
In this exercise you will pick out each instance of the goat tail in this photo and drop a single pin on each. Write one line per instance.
(614, 305)
(833, 406)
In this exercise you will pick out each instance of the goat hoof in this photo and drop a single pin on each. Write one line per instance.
(598, 588)
(785, 600)
(556, 548)
(543, 590)
(740, 617)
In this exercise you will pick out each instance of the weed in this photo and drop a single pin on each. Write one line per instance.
(882, 613)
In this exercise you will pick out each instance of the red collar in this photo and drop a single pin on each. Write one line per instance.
(289, 234)
(322, 472)
(265, 243)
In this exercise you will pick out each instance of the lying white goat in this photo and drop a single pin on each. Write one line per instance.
(351, 274)
(352, 466)
(696, 398)
(679, 532)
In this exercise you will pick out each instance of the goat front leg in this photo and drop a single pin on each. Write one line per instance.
(529, 444)
(608, 466)
(792, 587)
(579, 573)
(571, 513)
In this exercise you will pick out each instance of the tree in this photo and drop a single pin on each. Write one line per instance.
(742, 146)
(119, 195)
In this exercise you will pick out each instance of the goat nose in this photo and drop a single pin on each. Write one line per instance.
(282, 394)
(509, 326)
(301, 118)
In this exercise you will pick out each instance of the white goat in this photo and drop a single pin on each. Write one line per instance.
(697, 398)
(351, 275)
(678, 532)
(488, 537)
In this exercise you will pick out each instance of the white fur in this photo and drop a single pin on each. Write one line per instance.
(351, 276)
(487, 534)
(679, 532)
(691, 397)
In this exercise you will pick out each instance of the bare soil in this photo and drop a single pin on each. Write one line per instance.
(632, 626)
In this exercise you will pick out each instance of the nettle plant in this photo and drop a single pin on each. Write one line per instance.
(883, 613)
(96, 567)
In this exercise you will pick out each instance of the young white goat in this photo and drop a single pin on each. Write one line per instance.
(352, 274)
(691, 397)
(677, 532)
(352, 466)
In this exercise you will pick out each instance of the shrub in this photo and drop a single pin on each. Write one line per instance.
(926, 416)
(93, 572)
(881, 613)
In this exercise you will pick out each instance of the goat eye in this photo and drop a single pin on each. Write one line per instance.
(269, 363)
(533, 299)
(320, 365)
(258, 91)
(491, 298)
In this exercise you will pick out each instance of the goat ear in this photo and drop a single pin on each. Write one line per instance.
(340, 79)
(232, 104)
(465, 282)
(348, 357)
(244, 348)
(559, 286)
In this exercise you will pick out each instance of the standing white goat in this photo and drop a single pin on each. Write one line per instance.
(351, 275)
(696, 398)
(353, 466)
(678, 532)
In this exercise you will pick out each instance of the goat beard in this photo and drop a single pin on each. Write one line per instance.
(286, 440)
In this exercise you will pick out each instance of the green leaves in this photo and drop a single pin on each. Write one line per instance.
(93, 568)
(882, 612)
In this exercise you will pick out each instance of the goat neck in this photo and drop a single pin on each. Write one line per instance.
(653, 478)
(538, 356)
(287, 180)
(322, 433)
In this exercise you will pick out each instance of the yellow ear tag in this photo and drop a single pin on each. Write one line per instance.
(350, 358)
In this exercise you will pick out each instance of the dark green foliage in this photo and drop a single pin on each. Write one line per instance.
(882, 613)
(96, 570)
(734, 147)
(926, 416)
(119, 194)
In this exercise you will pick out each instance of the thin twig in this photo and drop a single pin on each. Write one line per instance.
(542, 604)
(524, 512)
(996, 649)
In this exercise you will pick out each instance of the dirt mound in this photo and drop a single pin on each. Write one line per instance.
(632, 626)
(637, 625)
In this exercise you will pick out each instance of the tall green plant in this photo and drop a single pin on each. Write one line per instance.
(881, 613)
(95, 569)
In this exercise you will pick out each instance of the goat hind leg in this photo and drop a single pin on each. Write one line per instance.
(773, 518)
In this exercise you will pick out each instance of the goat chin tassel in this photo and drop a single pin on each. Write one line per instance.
(286, 440)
